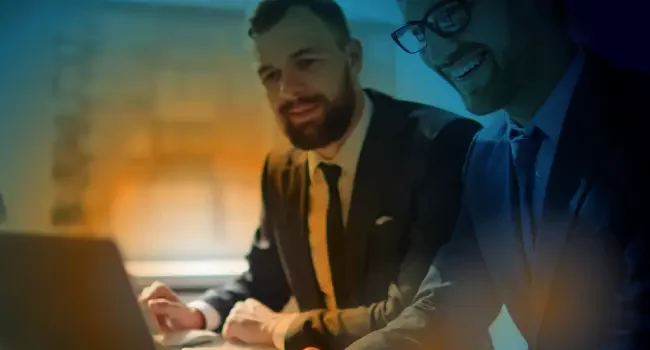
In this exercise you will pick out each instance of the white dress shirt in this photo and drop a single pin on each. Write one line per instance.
(347, 158)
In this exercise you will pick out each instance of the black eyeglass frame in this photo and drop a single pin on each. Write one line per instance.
(425, 24)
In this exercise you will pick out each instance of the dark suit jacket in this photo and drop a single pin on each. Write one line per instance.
(409, 169)
(587, 287)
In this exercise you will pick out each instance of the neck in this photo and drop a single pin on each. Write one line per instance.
(555, 59)
(331, 150)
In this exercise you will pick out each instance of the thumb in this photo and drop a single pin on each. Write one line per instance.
(169, 309)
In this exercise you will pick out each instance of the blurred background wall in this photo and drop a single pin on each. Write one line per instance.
(144, 120)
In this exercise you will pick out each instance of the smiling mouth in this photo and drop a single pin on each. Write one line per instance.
(466, 66)
(302, 113)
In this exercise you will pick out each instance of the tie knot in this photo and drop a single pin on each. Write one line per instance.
(332, 173)
(525, 144)
(517, 134)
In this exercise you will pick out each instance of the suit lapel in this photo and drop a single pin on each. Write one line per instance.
(380, 161)
(493, 202)
(581, 147)
(294, 241)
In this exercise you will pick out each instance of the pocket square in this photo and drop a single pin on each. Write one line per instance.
(263, 244)
(382, 220)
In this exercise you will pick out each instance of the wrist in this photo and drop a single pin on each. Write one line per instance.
(199, 321)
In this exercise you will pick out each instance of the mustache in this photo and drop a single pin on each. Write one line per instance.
(314, 99)
(462, 51)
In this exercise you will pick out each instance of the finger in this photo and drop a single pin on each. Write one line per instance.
(240, 305)
(227, 330)
(240, 310)
(158, 290)
(240, 330)
(229, 321)
(252, 304)
(146, 291)
(168, 309)
(245, 323)
(233, 325)
(240, 316)
(163, 324)
(246, 316)
(152, 321)
(258, 308)
(249, 307)
(229, 336)
(236, 341)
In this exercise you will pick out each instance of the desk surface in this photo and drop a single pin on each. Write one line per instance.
(222, 345)
(217, 344)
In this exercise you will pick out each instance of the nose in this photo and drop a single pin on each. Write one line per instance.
(291, 85)
(438, 49)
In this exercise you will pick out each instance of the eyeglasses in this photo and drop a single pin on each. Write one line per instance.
(446, 19)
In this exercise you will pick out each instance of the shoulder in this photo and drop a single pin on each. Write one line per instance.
(430, 120)
(495, 130)
(484, 142)
(391, 107)
(278, 159)
(437, 123)
(278, 163)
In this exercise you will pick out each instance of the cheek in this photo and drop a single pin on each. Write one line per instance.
(274, 100)
(328, 78)
(491, 28)
(426, 57)
(326, 83)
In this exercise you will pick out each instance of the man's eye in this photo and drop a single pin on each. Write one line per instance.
(450, 17)
(417, 32)
(271, 77)
(305, 63)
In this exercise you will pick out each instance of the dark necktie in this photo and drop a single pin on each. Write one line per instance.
(525, 148)
(335, 231)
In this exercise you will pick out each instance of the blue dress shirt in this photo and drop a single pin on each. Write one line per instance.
(548, 119)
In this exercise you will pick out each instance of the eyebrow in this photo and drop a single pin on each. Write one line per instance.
(300, 52)
(304, 51)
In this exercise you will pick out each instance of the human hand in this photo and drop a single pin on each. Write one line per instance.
(168, 312)
(249, 322)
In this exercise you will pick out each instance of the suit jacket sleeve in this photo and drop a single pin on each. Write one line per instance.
(265, 279)
(437, 201)
(454, 306)
(634, 330)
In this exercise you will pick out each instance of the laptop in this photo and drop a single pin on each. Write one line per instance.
(67, 293)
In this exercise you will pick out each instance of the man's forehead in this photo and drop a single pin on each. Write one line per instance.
(277, 49)
(298, 30)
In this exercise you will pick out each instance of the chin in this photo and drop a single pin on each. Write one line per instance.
(484, 104)
(480, 109)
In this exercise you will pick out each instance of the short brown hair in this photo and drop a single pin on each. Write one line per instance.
(269, 12)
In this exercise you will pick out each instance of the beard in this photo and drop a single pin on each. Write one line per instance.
(330, 127)
(508, 69)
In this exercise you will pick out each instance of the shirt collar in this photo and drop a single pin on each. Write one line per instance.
(550, 116)
(348, 156)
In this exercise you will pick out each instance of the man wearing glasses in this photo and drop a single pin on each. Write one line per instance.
(551, 223)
